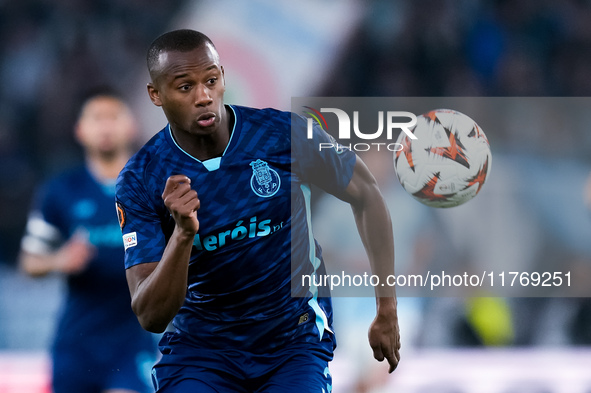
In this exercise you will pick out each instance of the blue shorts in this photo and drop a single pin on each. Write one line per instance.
(78, 369)
(184, 369)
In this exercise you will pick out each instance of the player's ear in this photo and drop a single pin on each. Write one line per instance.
(223, 75)
(154, 94)
(81, 132)
(78, 135)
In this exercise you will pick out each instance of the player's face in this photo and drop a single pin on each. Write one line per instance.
(190, 89)
(106, 126)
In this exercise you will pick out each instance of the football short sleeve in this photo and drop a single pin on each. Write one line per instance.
(143, 238)
(44, 231)
(318, 159)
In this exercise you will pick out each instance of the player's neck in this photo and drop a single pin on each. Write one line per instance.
(205, 147)
(106, 168)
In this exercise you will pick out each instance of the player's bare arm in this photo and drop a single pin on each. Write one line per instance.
(158, 289)
(71, 258)
(375, 228)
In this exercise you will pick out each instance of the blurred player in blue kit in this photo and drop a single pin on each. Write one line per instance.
(72, 229)
(214, 209)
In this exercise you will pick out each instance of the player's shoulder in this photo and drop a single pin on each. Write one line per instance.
(269, 117)
(263, 131)
(61, 187)
(145, 157)
(255, 114)
(71, 177)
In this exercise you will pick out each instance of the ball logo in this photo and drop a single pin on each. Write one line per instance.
(265, 181)
(449, 163)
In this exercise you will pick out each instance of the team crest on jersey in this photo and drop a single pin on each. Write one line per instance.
(265, 181)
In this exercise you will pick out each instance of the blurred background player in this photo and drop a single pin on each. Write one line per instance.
(98, 346)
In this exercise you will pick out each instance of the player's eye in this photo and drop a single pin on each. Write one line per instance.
(212, 81)
(185, 87)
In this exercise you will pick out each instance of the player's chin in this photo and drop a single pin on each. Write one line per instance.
(198, 129)
(106, 150)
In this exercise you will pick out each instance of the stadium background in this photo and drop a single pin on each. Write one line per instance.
(53, 51)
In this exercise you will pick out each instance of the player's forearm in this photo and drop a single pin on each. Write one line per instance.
(36, 265)
(61, 261)
(71, 258)
(375, 229)
(157, 298)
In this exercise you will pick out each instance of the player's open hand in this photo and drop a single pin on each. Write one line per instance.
(384, 336)
(182, 203)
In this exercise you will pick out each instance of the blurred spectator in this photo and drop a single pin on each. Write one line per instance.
(447, 48)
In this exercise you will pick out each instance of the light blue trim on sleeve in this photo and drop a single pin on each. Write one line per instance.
(321, 320)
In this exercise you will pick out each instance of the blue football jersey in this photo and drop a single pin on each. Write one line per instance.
(255, 229)
(97, 311)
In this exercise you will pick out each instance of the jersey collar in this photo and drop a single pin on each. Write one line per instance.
(213, 163)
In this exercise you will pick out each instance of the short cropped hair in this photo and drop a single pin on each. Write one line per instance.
(183, 40)
(95, 92)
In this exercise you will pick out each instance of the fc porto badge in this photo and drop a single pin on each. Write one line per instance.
(265, 181)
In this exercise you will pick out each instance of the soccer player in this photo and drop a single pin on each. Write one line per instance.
(216, 213)
(72, 229)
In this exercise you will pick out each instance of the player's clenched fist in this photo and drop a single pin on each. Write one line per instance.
(182, 202)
